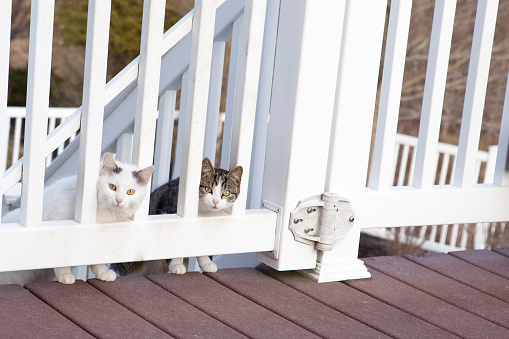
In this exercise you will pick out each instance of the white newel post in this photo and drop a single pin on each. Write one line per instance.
(301, 110)
(351, 131)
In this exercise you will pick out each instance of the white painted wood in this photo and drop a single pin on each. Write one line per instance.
(94, 84)
(214, 97)
(501, 176)
(449, 205)
(39, 70)
(489, 171)
(148, 90)
(434, 89)
(5, 44)
(164, 140)
(231, 91)
(51, 127)
(390, 96)
(196, 106)
(161, 236)
(254, 198)
(357, 81)
(125, 148)
(247, 92)
(5, 121)
(475, 93)
(297, 146)
(181, 126)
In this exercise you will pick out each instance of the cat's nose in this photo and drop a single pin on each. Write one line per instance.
(215, 202)
(119, 200)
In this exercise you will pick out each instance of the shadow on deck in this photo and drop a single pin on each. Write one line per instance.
(460, 294)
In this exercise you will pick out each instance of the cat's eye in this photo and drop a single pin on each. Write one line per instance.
(113, 187)
(130, 192)
(226, 193)
(208, 189)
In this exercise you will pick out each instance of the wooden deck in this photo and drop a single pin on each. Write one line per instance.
(460, 294)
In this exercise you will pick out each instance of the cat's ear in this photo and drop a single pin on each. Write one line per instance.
(144, 175)
(236, 174)
(109, 164)
(206, 167)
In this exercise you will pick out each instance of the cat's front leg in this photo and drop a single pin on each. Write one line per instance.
(206, 264)
(177, 267)
(64, 275)
(102, 272)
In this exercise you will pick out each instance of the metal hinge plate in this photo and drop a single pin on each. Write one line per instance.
(322, 220)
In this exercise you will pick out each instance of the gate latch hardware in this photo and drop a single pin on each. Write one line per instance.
(322, 220)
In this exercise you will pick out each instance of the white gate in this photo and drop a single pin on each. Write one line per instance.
(314, 69)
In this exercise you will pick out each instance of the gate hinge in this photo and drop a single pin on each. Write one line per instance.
(322, 220)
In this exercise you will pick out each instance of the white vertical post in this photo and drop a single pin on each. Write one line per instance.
(254, 199)
(434, 89)
(489, 172)
(231, 90)
(216, 82)
(196, 107)
(247, 92)
(164, 141)
(501, 176)
(5, 43)
(352, 125)
(94, 85)
(301, 115)
(39, 70)
(382, 175)
(475, 93)
(148, 89)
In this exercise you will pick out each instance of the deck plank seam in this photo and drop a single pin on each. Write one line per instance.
(131, 310)
(281, 315)
(410, 312)
(196, 307)
(463, 282)
(481, 267)
(441, 299)
(56, 310)
(373, 326)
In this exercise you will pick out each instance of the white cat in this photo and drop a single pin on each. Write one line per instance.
(120, 191)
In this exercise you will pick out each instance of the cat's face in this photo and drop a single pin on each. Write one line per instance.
(218, 188)
(121, 187)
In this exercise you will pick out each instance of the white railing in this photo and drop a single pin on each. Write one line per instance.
(317, 139)
(181, 60)
(449, 237)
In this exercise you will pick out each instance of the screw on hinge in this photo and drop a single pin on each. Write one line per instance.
(311, 210)
(297, 220)
(308, 229)
(351, 219)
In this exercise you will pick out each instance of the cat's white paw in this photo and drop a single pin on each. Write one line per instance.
(66, 278)
(178, 269)
(108, 275)
(209, 267)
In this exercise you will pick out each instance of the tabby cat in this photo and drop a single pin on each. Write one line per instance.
(218, 191)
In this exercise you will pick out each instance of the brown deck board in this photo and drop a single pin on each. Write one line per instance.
(22, 315)
(444, 288)
(360, 306)
(163, 309)
(94, 311)
(228, 307)
(293, 305)
(427, 307)
(464, 294)
(465, 273)
(487, 260)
